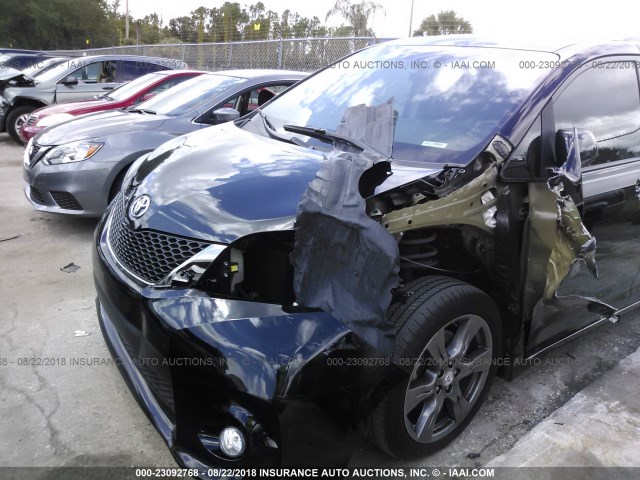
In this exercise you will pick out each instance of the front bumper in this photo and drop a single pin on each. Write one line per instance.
(198, 364)
(79, 188)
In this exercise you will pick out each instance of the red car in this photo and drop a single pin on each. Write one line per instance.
(131, 93)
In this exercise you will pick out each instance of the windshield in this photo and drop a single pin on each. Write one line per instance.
(445, 102)
(131, 88)
(41, 67)
(4, 58)
(59, 71)
(189, 95)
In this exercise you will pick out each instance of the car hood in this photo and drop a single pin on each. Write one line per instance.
(78, 108)
(223, 183)
(101, 124)
(11, 77)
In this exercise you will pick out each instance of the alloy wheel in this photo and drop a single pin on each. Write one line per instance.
(447, 378)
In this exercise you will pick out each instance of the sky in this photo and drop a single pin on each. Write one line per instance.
(540, 21)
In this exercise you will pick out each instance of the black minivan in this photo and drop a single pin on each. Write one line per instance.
(369, 248)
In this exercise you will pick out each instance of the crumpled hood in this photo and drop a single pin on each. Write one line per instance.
(100, 124)
(222, 183)
(10, 77)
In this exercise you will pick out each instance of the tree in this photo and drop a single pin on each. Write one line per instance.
(183, 28)
(259, 25)
(50, 24)
(233, 18)
(447, 23)
(357, 14)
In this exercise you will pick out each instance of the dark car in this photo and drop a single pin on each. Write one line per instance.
(76, 79)
(18, 50)
(78, 166)
(368, 248)
(131, 93)
(22, 61)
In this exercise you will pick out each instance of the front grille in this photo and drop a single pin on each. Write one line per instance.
(33, 154)
(36, 196)
(66, 200)
(148, 254)
(37, 151)
(33, 118)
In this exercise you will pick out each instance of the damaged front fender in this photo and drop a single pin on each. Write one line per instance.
(345, 262)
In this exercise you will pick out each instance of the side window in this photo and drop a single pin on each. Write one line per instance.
(605, 100)
(250, 100)
(134, 69)
(88, 73)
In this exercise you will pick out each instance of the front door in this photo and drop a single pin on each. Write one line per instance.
(94, 78)
(604, 98)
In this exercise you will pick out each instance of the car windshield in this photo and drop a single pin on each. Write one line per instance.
(4, 58)
(59, 71)
(446, 102)
(42, 66)
(189, 94)
(131, 88)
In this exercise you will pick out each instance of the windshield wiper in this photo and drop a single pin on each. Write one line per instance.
(274, 134)
(142, 110)
(333, 138)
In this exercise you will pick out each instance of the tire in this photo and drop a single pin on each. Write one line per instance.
(449, 333)
(15, 118)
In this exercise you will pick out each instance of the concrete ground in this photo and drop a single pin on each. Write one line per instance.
(56, 414)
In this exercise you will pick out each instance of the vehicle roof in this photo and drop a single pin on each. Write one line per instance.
(178, 71)
(18, 50)
(266, 72)
(564, 49)
(29, 55)
(126, 57)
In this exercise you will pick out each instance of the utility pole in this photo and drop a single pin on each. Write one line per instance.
(410, 18)
(126, 19)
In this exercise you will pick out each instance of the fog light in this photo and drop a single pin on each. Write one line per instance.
(232, 442)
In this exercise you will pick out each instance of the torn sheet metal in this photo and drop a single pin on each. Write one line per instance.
(559, 243)
(371, 125)
(344, 262)
(468, 205)
(572, 243)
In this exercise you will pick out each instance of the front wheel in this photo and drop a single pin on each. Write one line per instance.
(449, 334)
(15, 119)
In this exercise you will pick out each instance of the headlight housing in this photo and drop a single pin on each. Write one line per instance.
(54, 119)
(71, 152)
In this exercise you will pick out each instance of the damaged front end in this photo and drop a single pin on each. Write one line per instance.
(278, 261)
(11, 77)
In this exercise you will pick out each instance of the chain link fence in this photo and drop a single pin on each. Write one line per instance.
(305, 54)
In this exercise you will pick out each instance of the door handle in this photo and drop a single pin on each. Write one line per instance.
(107, 88)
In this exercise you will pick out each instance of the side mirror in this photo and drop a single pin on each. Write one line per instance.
(69, 81)
(224, 114)
(576, 141)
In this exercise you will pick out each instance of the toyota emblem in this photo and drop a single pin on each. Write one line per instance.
(139, 206)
